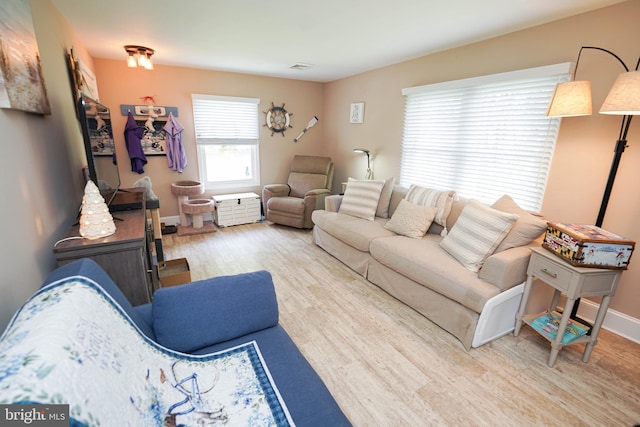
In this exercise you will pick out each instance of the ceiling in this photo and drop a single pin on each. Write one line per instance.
(339, 38)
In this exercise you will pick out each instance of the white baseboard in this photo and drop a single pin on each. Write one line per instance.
(615, 321)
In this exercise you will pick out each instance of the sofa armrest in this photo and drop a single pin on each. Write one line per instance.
(204, 313)
(88, 268)
(332, 203)
(507, 268)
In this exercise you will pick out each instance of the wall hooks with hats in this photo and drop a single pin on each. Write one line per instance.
(152, 119)
(146, 110)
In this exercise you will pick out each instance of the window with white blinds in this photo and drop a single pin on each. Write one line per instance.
(483, 137)
(227, 133)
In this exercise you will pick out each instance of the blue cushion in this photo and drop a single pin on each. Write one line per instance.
(90, 269)
(191, 316)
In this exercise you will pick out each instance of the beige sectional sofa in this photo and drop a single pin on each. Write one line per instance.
(475, 307)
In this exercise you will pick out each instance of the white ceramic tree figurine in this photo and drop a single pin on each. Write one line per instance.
(95, 219)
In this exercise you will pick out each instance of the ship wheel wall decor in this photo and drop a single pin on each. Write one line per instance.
(278, 119)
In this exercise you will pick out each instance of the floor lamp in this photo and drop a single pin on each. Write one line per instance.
(573, 98)
(366, 153)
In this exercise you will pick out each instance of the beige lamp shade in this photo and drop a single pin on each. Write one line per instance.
(571, 99)
(624, 96)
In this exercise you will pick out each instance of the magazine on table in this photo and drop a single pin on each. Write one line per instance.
(548, 324)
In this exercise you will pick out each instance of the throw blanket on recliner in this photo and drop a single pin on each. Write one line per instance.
(70, 343)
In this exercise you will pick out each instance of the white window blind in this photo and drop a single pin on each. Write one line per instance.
(483, 137)
(225, 119)
(227, 132)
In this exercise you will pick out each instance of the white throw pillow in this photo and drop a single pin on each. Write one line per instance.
(527, 228)
(477, 233)
(429, 197)
(361, 198)
(411, 220)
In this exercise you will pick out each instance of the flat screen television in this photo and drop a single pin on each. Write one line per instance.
(97, 132)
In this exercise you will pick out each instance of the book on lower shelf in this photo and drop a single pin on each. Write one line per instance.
(549, 322)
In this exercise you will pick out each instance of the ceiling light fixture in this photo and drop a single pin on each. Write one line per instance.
(139, 56)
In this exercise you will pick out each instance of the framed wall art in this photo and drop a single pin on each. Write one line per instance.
(21, 83)
(357, 112)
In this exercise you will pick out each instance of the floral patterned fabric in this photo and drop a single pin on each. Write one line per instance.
(71, 344)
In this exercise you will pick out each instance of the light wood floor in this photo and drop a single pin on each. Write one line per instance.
(386, 365)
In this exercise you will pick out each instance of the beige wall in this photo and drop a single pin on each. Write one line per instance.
(173, 86)
(41, 169)
(585, 146)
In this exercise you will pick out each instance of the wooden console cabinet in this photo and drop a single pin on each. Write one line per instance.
(125, 255)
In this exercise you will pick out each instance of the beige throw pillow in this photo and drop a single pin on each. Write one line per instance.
(361, 198)
(382, 210)
(429, 197)
(411, 220)
(477, 233)
(526, 229)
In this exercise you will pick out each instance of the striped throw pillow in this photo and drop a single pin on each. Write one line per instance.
(361, 198)
(477, 233)
(423, 196)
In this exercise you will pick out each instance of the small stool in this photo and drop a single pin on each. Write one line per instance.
(196, 208)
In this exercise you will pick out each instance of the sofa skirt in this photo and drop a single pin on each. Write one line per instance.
(451, 316)
(356, 260)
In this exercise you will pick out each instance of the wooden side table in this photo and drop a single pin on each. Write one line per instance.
(574, 282)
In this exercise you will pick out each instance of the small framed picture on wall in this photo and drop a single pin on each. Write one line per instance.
(357, 112)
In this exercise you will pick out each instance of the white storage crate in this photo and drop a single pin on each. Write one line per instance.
(235, 209)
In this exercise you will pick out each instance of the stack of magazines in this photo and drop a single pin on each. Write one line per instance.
(548, 323)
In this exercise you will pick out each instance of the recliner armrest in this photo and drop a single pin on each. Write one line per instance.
(277, 190)
(332, 203)
(507, 268)
(317, 191)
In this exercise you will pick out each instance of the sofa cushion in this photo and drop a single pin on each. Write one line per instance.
(382, 210)
(351, 230)
(426, 263)
(361, 198)
(527, 228)
(429, 197)
(477, 233)
(411, 220)
(183, 319)
(456, 209)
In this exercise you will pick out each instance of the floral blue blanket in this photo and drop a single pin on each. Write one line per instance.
(71, 344)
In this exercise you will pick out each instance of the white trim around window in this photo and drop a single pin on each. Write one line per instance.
(227, 140)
